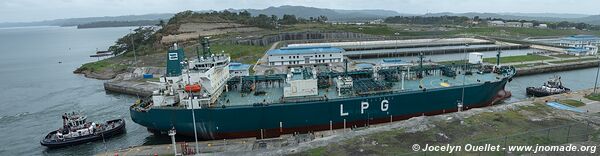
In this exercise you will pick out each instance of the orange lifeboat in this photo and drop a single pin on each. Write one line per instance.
(192, 88)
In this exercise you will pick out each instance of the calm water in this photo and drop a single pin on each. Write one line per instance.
(36, 89)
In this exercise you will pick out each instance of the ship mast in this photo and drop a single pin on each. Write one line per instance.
(345, 68)
(205, 47)
(462, 99)
(498, 57)
(198, 49)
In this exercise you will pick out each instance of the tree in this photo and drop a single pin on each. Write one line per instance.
(161, 23)
(322, 18)
(244, 13)
(289, 19)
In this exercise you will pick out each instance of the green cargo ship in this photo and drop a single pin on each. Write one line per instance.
(307, 98)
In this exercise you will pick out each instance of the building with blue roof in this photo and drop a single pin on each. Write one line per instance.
(239, 69)
(582, 51)
(302, 55)
(579, 41)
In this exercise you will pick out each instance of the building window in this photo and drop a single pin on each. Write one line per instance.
(281, 57)
(330, 55)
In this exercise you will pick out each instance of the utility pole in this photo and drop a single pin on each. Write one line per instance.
(596, 83)
(133, 48)
(462, 99)
(172, 134)
(192, 104)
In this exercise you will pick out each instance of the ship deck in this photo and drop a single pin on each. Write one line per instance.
(274, 91)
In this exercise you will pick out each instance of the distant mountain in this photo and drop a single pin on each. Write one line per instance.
(87, 20)
(594, 19)
(335, 15)
(332, 15)
(381, 13)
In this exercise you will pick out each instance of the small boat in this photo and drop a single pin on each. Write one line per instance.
(553, 86)
(77, 131)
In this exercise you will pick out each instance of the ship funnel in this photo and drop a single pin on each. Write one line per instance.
(175, 56)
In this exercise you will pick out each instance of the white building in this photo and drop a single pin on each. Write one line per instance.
(527, 25)
(580, 45)
(514, 24)
(377, 21)
(586, 50)
(305, 55)
(579, 41)
(542, 26)
(496, 23)
(239, 69)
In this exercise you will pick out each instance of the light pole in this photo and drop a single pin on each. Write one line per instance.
(462, 99)
(133, 48)
(596, 82)
(172, 134)
(192, 104)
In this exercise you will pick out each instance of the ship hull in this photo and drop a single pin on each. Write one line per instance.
(273, 120)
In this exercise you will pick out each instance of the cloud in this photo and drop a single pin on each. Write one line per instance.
(32, 10)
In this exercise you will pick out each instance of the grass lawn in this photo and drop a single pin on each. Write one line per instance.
(595, 97)
(512, 59)
(511, 127)
(575, 60)
(529, 65)
(101, 65)
(563, 56)
(572, 102)
(452, 62)
(248, 54)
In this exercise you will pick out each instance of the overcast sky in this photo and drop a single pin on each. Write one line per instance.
(34, 10)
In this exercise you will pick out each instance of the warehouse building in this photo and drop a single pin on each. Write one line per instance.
(580, 41)
(239, 69)
(303, 55)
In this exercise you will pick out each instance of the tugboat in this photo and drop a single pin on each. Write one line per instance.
(76, 131)
(553, 86)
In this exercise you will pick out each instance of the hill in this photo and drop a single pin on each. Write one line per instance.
(337, 15)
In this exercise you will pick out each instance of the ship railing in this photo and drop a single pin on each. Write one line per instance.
(303, 99)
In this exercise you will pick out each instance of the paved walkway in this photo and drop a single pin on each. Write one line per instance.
(261, 64)
(591, 106)
(550, 60)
